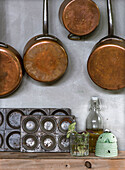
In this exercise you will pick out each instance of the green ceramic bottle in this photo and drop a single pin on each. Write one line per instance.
(94, 123)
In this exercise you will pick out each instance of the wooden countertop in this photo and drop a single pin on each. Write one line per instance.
(58, 161)
(19, 155)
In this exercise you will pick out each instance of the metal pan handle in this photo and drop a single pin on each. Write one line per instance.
(45, 17)
(74, 37)
(3, 45)
(110, 18)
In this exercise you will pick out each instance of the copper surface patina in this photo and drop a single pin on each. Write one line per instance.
(106, 66)
(81, 17)
(45, 61)
(10, 71)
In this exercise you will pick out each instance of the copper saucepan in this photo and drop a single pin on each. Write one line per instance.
(45, 59)
(106, 64)
(80, 17)
(11, 70)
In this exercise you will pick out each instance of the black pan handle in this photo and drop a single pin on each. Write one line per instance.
(3, 45)
(45, 17)
(110, 18)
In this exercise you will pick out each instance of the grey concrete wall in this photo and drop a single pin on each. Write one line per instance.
(22, 19)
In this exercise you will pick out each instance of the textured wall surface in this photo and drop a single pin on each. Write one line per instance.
(21, 20)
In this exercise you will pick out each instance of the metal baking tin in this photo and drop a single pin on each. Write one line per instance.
(60, 112)
(47, 135)
(13, 117)
(12, 140)
(10, 123)
(2, 119)
(2, 134)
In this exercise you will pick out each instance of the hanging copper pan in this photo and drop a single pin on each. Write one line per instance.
(80, 17)
(106, 64)
(45, 59)
(10, 69)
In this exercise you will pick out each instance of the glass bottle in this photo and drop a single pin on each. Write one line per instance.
(94, 123)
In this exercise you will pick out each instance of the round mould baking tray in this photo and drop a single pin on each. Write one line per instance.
(48, 142)
(60, 112)
(1, 140)
(63, 143)
(38, 112)
(1, 118)
(30, 124)
(13, 118)
(48, 125)
(13, 140)
(64, 124)
(30, 142)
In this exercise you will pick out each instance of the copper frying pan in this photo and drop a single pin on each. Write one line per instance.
(10, 69)
(45, 59)
(80, 17)
(106, 64)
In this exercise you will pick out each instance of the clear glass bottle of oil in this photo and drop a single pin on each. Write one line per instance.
(94, 123)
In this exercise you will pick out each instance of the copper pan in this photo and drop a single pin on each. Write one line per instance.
(106, 64)
(80, 17)
(45, 59)
(11, 70)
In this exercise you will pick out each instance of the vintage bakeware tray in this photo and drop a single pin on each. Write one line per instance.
(10, 124)
(45, 133)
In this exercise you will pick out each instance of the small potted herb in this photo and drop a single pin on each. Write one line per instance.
(79, 141)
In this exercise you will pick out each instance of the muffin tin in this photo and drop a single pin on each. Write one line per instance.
(13, 117)
(45, 133)
(2, 140)
(41, 112)
(12, 140)
(10, 124)
(60, 112)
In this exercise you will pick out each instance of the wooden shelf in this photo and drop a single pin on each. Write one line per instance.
(58, 161)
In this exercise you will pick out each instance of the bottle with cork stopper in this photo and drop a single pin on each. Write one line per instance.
(94, 123)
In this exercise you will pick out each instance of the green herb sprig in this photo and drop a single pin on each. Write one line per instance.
(81, 144)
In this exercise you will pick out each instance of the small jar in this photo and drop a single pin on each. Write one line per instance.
(79, 144)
